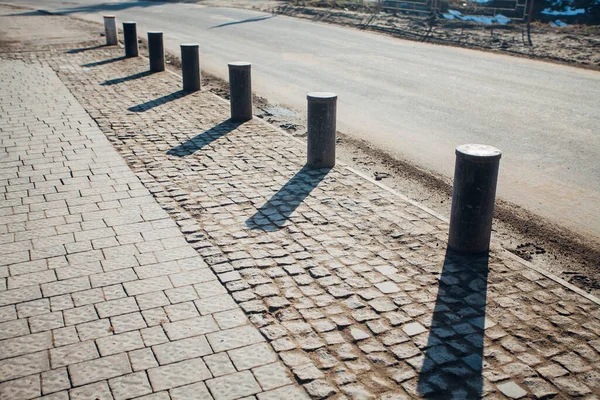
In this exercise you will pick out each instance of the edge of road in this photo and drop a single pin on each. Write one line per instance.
(494, 245)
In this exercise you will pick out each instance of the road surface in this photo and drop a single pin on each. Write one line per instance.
(415, 100)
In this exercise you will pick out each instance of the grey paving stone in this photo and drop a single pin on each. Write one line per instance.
(252, 356)
(272, 376)
(25, 344)
(180, 350)
(152, 300)
(142, 359)
(230, 319)
(94, 330)
(117, 307)
(14, 328)
(65, 336)
(64, 395)
(290, 392)
(23, 388)
(178, 374)
(142, 286)
(98, 390)
(208, 289)
(130, 386)
(156, 396)
(512, 390)
(55, 380)
(7, 313)
(128, 322)
(79, 315)
(29, 364)
(119, 343)
(196, 391)
(233, 338)
(99, 369)
(177, 312)
(66, 286)
(219, 364)
(233, 386)
(20, 295)
(215, 304)
(73, 354)
(46, 322)
(190, 327)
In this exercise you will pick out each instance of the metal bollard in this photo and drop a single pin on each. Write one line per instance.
(473, 197)
(110, 29)
(190, 67)
(240, 91)
(130, 39)
(156, 51)
(321, 129)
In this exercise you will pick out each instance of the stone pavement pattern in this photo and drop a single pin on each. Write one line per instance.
(100, 294)
(349, 284)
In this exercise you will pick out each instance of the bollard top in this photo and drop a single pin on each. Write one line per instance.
(189, 45)
(129, 23)
(155, 33)
(239, 64)
(110, 16)
(321, 96)
(479, 152)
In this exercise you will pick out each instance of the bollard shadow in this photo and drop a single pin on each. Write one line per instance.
(103, 62)
(160, 101)
(204, 139)
(275, 212)
(116, 81)
(453, 363)
(84, 49)
(244, 21)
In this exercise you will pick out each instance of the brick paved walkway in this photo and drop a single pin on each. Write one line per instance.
(100, 292)
(348, 283)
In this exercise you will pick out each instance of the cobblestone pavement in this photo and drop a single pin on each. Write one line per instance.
(350, 284)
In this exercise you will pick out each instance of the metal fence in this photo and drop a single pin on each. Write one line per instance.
(513, 9)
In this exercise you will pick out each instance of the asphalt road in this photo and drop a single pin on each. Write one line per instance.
(415, 100)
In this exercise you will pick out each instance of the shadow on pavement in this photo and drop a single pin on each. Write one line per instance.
(204, 139)
(103, 62)
(453, 363)
(116, 81)
(256, 19)
(109, 7)
(32, 13)
(275, 212)
(160, 101)
(83, 49)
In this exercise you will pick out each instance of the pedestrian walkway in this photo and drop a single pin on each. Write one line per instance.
(349, 283)
(101, 294)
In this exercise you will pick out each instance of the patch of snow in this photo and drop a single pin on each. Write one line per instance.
(568, 11)
(560, 3)
(559, 24)
(502, 20)
(499, 19)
